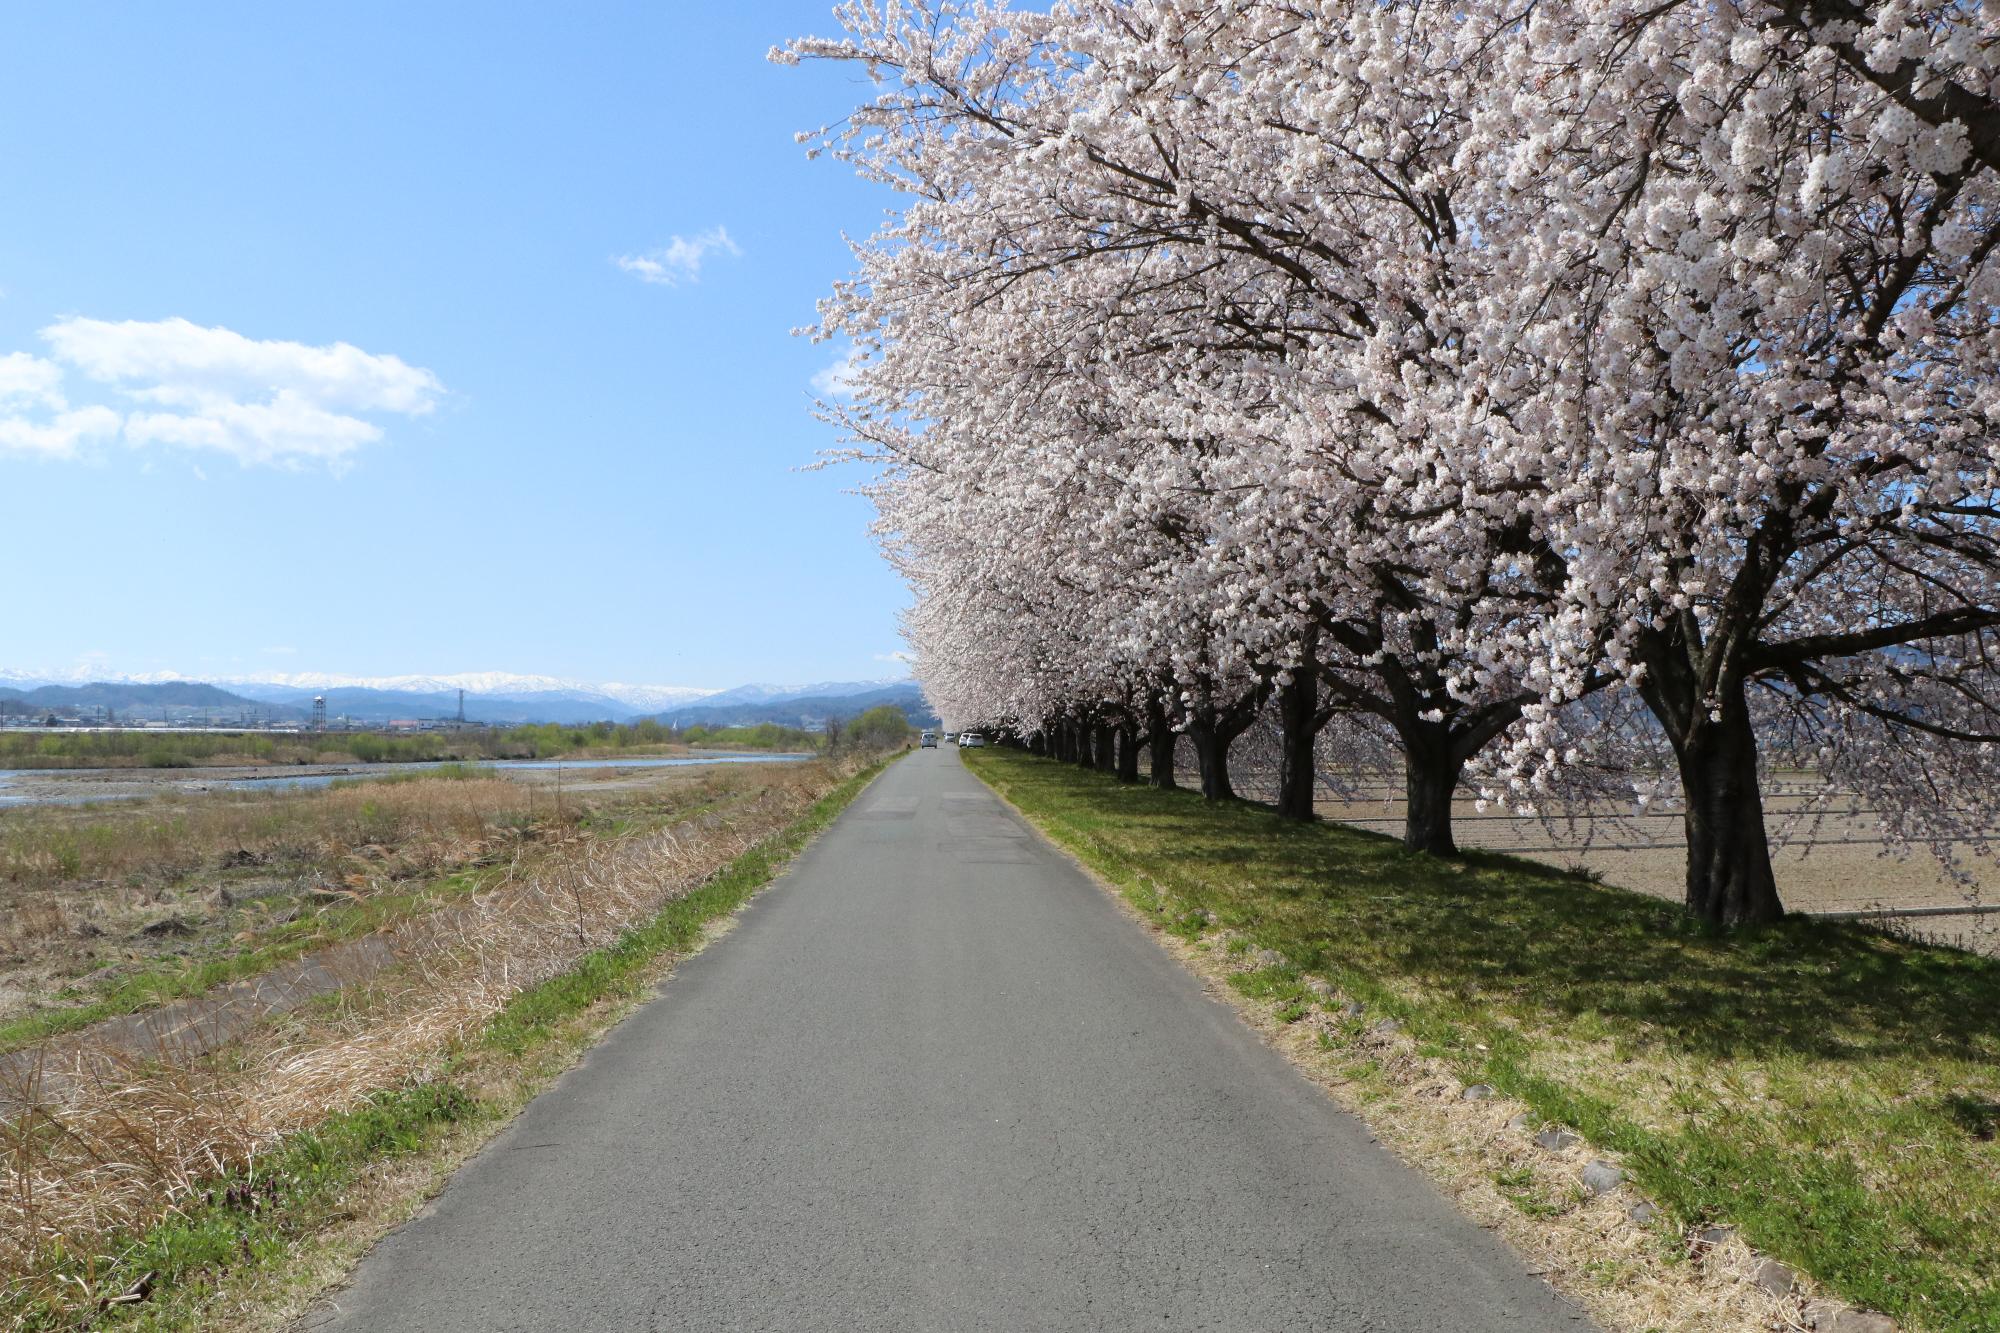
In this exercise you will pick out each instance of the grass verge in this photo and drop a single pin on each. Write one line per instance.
(256, 1241)
(1830, 1092)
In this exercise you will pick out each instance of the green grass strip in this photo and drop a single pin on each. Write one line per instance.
(1830, 1090)
(252, 1223)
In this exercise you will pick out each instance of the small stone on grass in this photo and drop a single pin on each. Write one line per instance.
(1478, 1092)
(1602, 1177)
(235, 895)
(1773, 1278)
(1852, 1321)
(1556, 1140)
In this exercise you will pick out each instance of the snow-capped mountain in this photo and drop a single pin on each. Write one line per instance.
(472, 682)
(765, 694)
(808, 707)
(284, 686)
(653, 698)
(476, 684)
(80, 675)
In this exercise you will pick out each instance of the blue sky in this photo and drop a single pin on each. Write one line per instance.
(575, 471)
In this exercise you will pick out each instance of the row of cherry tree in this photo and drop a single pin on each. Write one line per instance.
(1540, 386)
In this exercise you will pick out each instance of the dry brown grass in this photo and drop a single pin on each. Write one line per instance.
(98, 898)
(1828, 849)
(50, 849)
(104, 1140)
(1828, 854)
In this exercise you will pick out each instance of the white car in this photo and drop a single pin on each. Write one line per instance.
(968, 739)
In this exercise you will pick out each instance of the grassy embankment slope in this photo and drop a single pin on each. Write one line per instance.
(249, 1250)
(1831, 1092)
(112, 908)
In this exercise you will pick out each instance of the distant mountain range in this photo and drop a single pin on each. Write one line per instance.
(806, 710)
(634, 700)
(491, 697)
(122, 696)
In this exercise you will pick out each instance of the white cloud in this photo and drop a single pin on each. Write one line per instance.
(286, 429)
(269, 402)
(680, 259)
(181, 364)
(837, 380)
(35, 417)
(27, 380)
(59, 435)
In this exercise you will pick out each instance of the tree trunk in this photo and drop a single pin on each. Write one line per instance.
(1163, 740)
(1211, 756)
(1430, 777)
(1128, 754)
(1299, 722)
(1729, 879)
(1038, 743)
(1214, 730)
(1085, 756)
(1107, 757)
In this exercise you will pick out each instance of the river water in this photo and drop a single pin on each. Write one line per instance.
(45, 786)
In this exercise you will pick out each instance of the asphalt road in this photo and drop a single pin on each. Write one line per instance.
(935, 1080)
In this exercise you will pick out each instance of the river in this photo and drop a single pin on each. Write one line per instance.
(77, 786)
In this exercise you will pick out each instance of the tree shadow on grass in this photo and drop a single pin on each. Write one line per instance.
(1544, 944)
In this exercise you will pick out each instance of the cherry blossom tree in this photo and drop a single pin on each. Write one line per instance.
(1445, 368)
(1938, 60)
(1257, 350)
(1751, 373)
